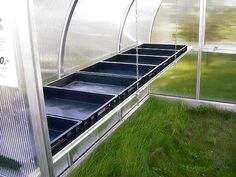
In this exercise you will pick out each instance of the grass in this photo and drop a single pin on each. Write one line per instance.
(165, 139)
(217, 78)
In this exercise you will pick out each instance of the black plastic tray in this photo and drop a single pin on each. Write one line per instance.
(151, 52)
(84, 106)
(172, 58)
(161, 46)
(62, 132)
(165, 47)
(111, 85)
(94, 83)
(181, 51)
(149, 60)
(128, 70)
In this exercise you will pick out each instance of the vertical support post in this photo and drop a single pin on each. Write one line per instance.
(28, 59)
(63, 38)
(201, 42)
(69, 159)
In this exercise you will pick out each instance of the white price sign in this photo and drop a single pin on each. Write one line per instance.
(8, 74)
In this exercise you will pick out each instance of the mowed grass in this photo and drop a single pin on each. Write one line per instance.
(164, 139)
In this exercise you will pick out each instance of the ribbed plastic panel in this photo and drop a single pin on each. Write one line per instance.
(49, 20)
(17, 152)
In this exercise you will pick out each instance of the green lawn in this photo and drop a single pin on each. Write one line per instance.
(165, 139)
(218, 78)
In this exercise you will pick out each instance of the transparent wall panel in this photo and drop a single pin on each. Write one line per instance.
(129, 32)
(93, 31)
(145, 14)
(221, 23)
(180, 79)
(17, 147)
(24, 146)
(218, 78)
(177, 21)
(49, 21)
(17, 150)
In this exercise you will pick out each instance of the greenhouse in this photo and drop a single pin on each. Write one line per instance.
(108, 88)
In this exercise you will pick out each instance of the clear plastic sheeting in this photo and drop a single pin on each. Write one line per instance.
(128, 36)
(96, 28)
(221, 23)
(177, 21)
(17, 152)
(49, 21)
(218, 77)
(179, 80)
(93, 31)
(145, 16)
(17, 146)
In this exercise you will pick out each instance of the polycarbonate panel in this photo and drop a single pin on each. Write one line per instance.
(128, 37)
(145, 14)
(177, 21)
(221, 23)
(180, 79)
(93, 31)
(17, 148)
(49, 20)
(17, 152)
(218, 77)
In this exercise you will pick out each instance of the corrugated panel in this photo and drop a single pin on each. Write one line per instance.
(221, 23)
(129, 31)
(93, 31)
(218, 77)
(17, 153)
(49, 20)
(177, 21)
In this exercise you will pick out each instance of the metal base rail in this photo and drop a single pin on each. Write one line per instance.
(195, 103)
(78, 150)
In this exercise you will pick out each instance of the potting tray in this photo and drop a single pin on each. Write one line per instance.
(119, 69)
(156, 52)
(75, 105)
(161, 46)
(95, 84)
(62, 132)
(149, 60)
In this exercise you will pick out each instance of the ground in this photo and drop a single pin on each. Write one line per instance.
(164, 139)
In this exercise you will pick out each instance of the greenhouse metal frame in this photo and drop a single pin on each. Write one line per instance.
(51, 39)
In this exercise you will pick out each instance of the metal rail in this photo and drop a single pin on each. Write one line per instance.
(120, 34)
(61, 54)
(153, 21)
(201, 41)
(195, 102)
